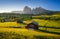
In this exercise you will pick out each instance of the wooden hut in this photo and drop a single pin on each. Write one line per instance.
(32, 25)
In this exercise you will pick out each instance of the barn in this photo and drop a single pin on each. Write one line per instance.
(32, 26)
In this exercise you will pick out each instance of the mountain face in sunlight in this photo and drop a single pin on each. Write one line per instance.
(37, 10)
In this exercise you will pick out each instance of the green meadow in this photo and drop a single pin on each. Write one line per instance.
(49, 28)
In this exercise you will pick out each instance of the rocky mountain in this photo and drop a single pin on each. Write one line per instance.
(27, 10)
(38, 10)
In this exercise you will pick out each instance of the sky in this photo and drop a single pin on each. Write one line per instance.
(18, 5)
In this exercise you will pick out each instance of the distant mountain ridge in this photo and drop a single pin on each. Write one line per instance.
(38, 10)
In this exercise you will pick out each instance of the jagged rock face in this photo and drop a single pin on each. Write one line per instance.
(27, 10)
(39, 10)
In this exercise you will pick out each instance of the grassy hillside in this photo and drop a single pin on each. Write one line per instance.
(22, 33)
(11, 24)
(13, 33)
(48, 29)
(57, 13)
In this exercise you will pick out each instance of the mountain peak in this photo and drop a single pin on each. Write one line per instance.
(27, 10)
(37, 10)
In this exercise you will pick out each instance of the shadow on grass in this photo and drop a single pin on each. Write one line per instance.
(49, 32)
(50, 27)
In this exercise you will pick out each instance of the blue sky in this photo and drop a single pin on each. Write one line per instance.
(11, 5)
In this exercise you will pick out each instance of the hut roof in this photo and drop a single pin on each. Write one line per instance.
(35, 23)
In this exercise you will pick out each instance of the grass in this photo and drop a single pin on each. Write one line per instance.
(14, 33)
(51, 23)
(11, 24)
(50, 30)
(8, 30)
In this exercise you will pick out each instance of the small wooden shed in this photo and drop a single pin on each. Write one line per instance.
(32, 25)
